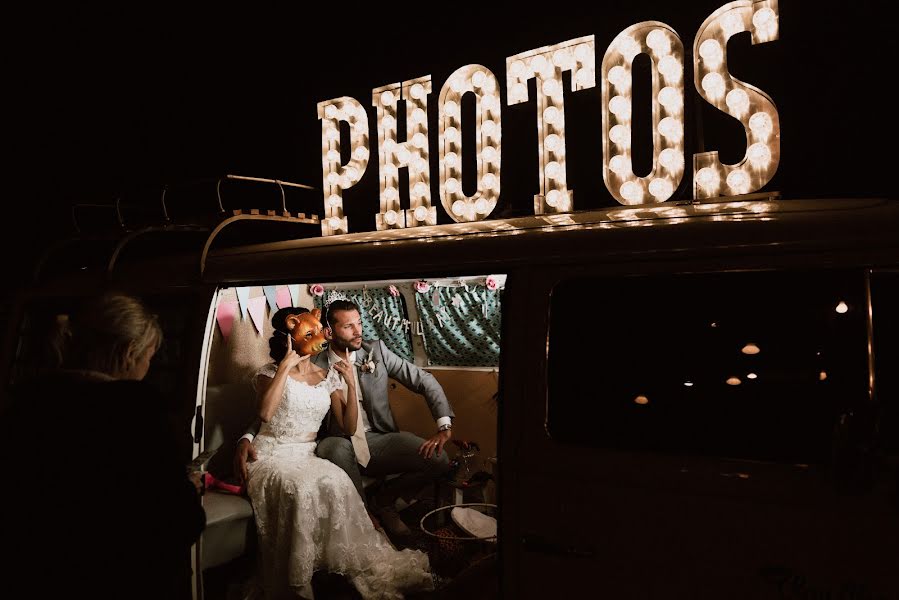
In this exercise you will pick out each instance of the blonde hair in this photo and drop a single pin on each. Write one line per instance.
(107, 331)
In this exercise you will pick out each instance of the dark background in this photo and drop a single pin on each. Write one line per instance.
(116, 104)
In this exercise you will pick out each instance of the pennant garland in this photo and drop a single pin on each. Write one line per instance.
(256, 307)
(283, 297)
(271, 294)
(225, 315)
(243, 298)
(294, 291)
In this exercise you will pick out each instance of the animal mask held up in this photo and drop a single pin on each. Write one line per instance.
(306, 332)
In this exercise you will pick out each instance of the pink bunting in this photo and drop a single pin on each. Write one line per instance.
(225, 315)
(256, 307)
(283, 298)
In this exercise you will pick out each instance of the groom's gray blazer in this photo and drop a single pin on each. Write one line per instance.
(374, 387)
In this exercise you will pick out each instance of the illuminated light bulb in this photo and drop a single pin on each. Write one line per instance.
(553, 169)
(731, 23)
(421, 165)
(387, 98)
(551, 115)
(759, 155)
(490, 103)
(334, 222)
(659, 41)
(822, 375)
(733, 381)
(333, 155)
(751, 376)
(489, 86)
(618, 76)
(420, 188)
(333, 178)
(391, 193)
(419, 140)
(628, 47)
(553, 198)
(330, 111)
(661, 188)
(708, 179)
(332, 133)
(582, 53)
(764, 18)
(391, 170)
(620, 165)
(738, 181)
(420, 213)
(516, 69)
(585, 77)
(451, 159)
(539, 63)
(390, 217)
(477, 78)
(389, 122)
(552, 142)
(713, 84)
(712, 54)
(620, 107)
(562, 58)
(489, 154)
(403, 155)
(489, 180)
(631, 191)
(671, 129)
(481, 207)
(519, 92)
(361, 113)
(418, 116)
(361, 153)
(551, 87)
(352, 173)
(488, 127)
(688, 384)
(670, 68)
(389, 146)
(671, 99)
(641, 400)
(750, 349)
(417, 91)
(334, 200)
(842, 308)
(620, 135)
(456, 84)
(672, 160)
(452, 134)
(760, 125)
(452, 185)
(451, 109)
(458, 208)
(737, 101)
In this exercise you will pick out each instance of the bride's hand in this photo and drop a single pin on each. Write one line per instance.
(291, 359)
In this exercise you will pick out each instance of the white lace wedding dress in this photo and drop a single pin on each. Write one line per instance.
(309, 515)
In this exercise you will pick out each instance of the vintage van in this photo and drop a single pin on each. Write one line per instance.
(692, 400)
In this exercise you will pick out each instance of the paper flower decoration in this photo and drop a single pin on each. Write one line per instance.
(491, 283)
(457, 300)
(422, 287)
(317, 289)
(393, 291)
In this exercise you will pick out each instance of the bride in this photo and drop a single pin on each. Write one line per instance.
(308, 513)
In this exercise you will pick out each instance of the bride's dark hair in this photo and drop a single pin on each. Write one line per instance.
(277, 344)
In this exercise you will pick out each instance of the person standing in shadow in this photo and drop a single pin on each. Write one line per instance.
(96, 504)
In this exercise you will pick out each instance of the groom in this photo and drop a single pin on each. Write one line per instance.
(378, 448)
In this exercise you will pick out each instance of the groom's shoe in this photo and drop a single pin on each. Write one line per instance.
(391, 521)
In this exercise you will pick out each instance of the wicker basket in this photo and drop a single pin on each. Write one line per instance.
(450, 547)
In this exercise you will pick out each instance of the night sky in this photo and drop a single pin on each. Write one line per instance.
(116, 104)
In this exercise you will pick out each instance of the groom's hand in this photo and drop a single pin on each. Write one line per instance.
(434, 445)
(245, 451)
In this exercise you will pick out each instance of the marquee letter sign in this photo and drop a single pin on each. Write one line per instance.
(665, 50)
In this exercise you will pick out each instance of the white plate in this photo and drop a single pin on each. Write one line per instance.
(474, 523)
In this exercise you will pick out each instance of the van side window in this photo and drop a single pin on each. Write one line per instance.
(885, 309)
(750, 365)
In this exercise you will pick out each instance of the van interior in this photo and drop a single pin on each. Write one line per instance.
(448, 326)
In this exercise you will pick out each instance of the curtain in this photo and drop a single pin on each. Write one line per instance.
(460, 326)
